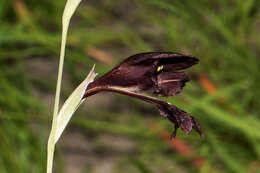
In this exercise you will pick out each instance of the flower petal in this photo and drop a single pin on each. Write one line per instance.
(176, 61)
(180, 118)
(142, 72)
(170, 83)
(177, 116)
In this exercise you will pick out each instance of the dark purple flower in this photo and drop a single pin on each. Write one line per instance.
(157, 73)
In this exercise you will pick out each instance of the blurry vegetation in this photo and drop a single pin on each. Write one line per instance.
(224, 94)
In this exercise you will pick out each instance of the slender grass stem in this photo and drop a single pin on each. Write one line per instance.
(70, 8)
(51, 141)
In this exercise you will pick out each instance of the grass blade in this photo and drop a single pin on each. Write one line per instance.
(71, 104)
(70, 8)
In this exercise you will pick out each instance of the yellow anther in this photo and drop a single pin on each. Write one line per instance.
(159, 68)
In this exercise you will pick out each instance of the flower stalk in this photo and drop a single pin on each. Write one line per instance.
(70, 8)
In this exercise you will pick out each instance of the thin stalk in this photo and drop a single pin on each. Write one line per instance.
(153, 100)
(51, 141)
(70, 8)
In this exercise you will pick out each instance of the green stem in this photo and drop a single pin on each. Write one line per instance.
(51, 141)
(70, 8)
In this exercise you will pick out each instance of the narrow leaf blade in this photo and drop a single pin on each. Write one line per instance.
(71, 104)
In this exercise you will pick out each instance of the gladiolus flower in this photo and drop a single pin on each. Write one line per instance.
(157, 73)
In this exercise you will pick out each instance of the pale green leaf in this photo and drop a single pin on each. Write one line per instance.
(71, 6)
(71, 104)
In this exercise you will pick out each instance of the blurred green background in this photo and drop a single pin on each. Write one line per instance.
(113, 133)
